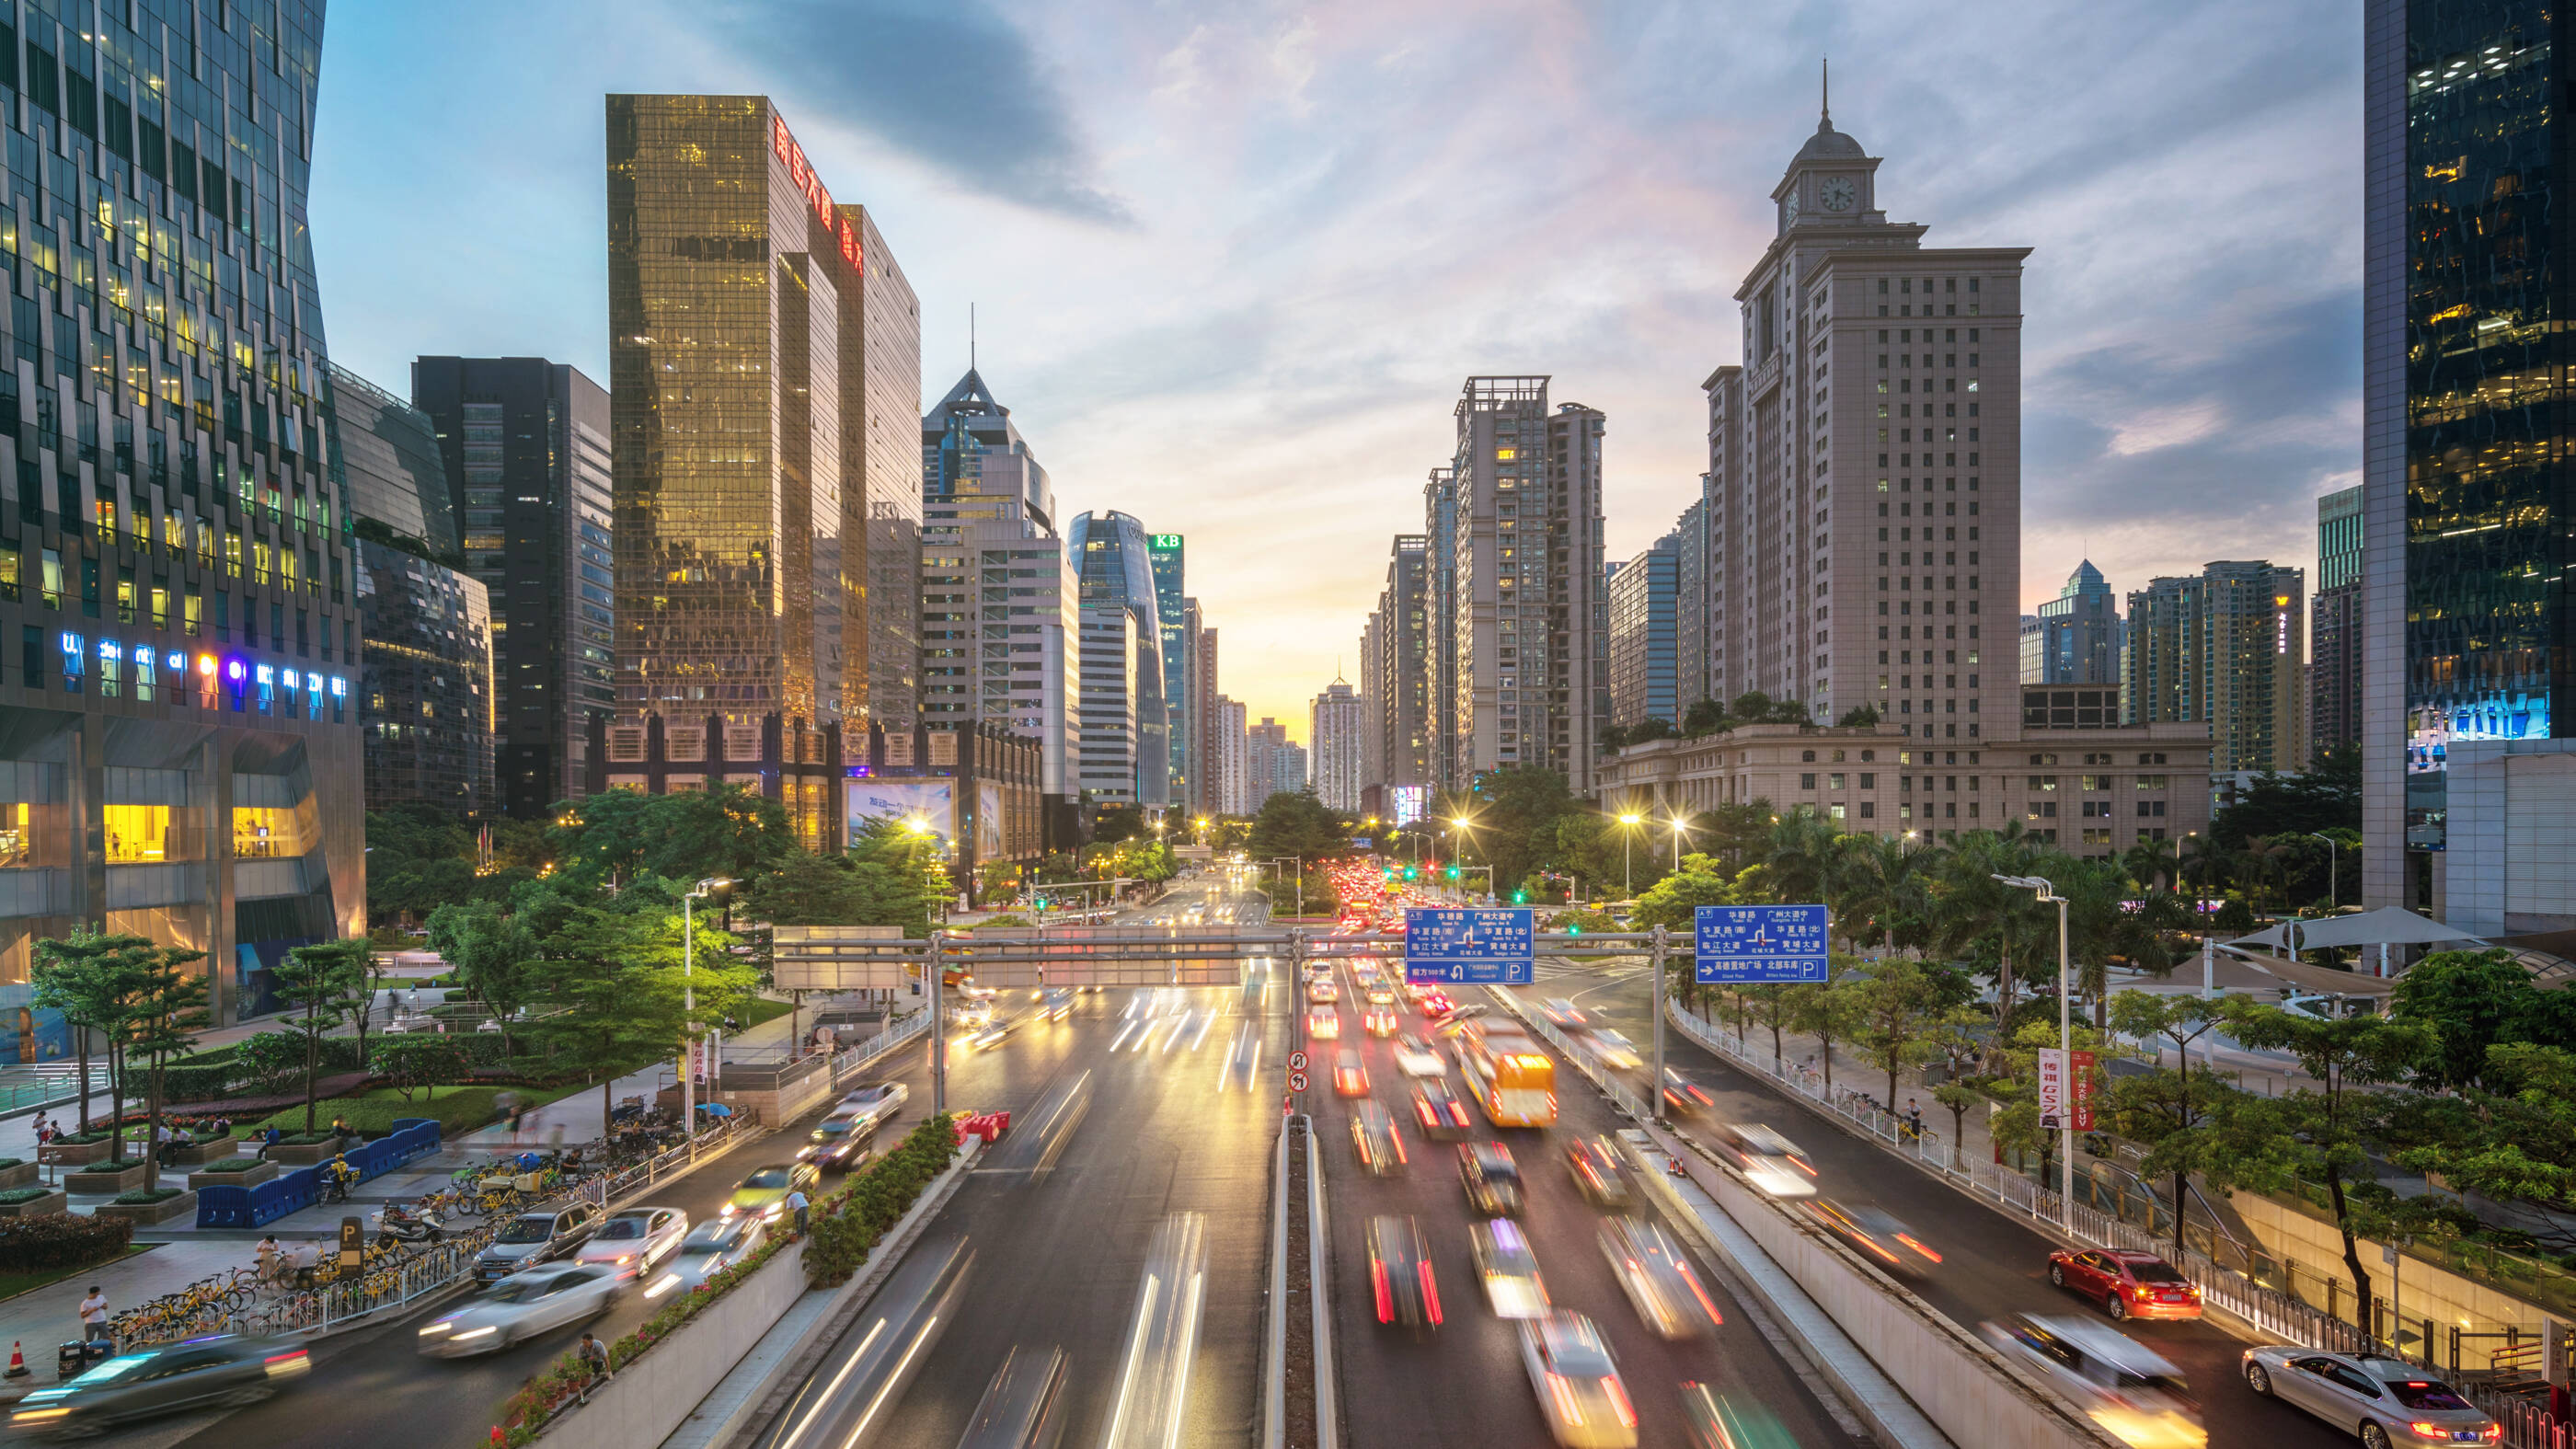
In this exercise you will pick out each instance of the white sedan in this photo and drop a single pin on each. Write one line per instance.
(1614, 1050)
(874, 1104)
(1415, 1058)
(635, 1238)
(1578, 1386)
(523, 1305)
(710, 1248)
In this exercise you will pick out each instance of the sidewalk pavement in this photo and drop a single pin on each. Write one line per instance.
(45, 1317)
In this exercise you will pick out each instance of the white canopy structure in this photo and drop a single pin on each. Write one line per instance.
(2382, 928)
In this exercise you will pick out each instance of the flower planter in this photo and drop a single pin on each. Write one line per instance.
(22, 1175)
(253, 1178)
(306, 1155)
(103, 1181)
(71, 1154)
(196, 1154)
(52, 1202)
(144, 1214)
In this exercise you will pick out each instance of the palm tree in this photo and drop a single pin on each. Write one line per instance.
(1880, 891)
(2264, 858)
(1799, 865)
(1973, 912)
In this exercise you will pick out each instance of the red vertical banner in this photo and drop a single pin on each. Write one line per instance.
(2083, 1090)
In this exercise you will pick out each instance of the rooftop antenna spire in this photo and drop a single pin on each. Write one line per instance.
(1828, 91)
(970, 337)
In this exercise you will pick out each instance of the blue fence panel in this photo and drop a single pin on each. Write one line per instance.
(224, 1207)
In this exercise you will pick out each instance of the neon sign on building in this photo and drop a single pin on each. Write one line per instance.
(782, 142)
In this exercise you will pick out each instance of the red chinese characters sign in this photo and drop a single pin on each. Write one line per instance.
(2083, 1093)
(783, 143)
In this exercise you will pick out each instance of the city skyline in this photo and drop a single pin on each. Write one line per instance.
(1238, 130)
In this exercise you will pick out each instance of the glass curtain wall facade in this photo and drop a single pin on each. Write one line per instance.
(178, 612)
(1117, 573)
(1644, 598)
(1172, 625)
(524, 443)
(762, 568)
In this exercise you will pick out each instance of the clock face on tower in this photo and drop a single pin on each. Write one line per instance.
(1837, 193)
(1789, 210)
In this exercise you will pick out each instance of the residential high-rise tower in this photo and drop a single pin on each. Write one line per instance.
(1644, 614)
(1337, 723)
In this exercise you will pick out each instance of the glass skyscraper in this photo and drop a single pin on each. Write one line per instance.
(765, 402)
(178, 612)
(2468, 489)
(1116, 565)
(1172, 616)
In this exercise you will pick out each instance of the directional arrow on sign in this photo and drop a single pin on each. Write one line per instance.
(1296, 1061)
(1296, 1081)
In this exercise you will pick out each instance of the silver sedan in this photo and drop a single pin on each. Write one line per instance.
(2387, 1401)
(523, 1305)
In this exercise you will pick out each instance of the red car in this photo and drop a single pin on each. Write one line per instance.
(1436, 1005)
(2127, 1285)
(1379, 1021)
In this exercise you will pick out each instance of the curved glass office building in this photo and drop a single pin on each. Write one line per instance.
(1118, 573)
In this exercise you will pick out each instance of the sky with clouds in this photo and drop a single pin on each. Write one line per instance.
(1233, 260)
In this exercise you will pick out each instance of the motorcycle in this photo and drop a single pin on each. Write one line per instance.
(398, 1224)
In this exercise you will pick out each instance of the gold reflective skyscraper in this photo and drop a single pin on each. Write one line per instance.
(765, 391)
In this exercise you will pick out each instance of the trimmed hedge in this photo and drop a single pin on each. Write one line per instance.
(142, 1196)
(25, 1194)
(7, 1162)
(232, 1164)
(848, 1227)
(61, 1240)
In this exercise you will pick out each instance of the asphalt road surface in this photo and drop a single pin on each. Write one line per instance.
(1992, 1266)
(1462, 1384)
(372, 1386)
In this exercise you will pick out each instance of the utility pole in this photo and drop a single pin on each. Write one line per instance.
(935, 966)
(689, 1005)
(1655, 1004)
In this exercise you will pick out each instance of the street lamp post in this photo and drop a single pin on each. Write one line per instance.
(2065, 1050)
(2332, 850)
(689, 1002)
(1459, 826)
(1627, 851)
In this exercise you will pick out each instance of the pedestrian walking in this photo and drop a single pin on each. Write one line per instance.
(796, 1204)
(265, 1257)
(593, 1355)
(93, 1315)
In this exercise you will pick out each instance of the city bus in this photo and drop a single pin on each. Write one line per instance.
(1513, 1080)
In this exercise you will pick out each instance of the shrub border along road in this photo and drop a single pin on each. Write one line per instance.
(844, 1225)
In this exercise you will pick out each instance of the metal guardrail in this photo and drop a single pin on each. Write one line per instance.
(2267, 1308)
(850, 1063)
(1620, 1097)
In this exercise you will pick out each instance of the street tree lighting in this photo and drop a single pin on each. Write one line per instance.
(2333, 847)
(2065, 1047)
(689, 999)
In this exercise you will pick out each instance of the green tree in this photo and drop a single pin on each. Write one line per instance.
(2323, 1133)
(2172, 1112)
(616, 973)
(727, 832)
(165, 1009)
(419, 1061)
(1512, 815)
(2473, 1000)
(418, 857)
(1894, 1004)
(835, 890)
(87, 976)
(488, 950)
(1859, 716)
(1297, 826)
(1675, 900)
(321, 985)
(1704, 717)
(1957, 1039)
(2294, 805)
(1826, 1011)
(1755, 707)
(273, 1059)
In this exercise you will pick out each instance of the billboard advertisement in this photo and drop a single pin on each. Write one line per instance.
(933, 802)
(988, 820)
(1411, 802)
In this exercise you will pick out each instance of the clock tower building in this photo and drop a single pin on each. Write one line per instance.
(1864, 489)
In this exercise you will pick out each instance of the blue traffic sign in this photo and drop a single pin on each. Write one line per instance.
(1450, 947)
(1759, 945)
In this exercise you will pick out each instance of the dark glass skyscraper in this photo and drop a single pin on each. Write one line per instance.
(523, 443)
(1172, 616)
(178, 620)
(2469, 485)
(1111, 553)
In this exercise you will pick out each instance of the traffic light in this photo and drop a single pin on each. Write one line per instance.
(1520, 898)
(1453, 872)
(1574, 928)
(1411, 873)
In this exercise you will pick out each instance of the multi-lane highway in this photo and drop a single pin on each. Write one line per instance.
(1992, 1266)
(1463, 1384)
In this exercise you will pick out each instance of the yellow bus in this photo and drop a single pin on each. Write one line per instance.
(1513, 1080)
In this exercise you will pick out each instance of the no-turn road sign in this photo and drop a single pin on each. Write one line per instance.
(1296, 1081)
(1296, 1061)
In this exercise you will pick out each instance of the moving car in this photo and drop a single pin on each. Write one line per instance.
(1878, 1235)
(1400, 1274)
(1378, 1021)
(709, 1249)
(1595, 1166)
(1415, 1058)
(1434, 1003)
(1324, 1024)
(1374, 1138)
(972, 1016)
(1715, 1421)
(2391, 1401)
(1379, 995)
(1684, 1095)
(764, 1193)
(635, 1238)
(1658, 1279)
(1056, 1005)
(526, 1304)
(1350, 1079)
(1614, 1050)
(2127, 1284)
(1438, 1112)
(1492, 1181)
(1024, 1406)
(840, 1142)
(994, 1034)
(1508, 1268)
(2118, 1383)
(873, 1105)
(1563, 1014)
(534, 1238)
(1577, 1383)
(1768, 1159)
(1321, 991)
(224, 1369)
